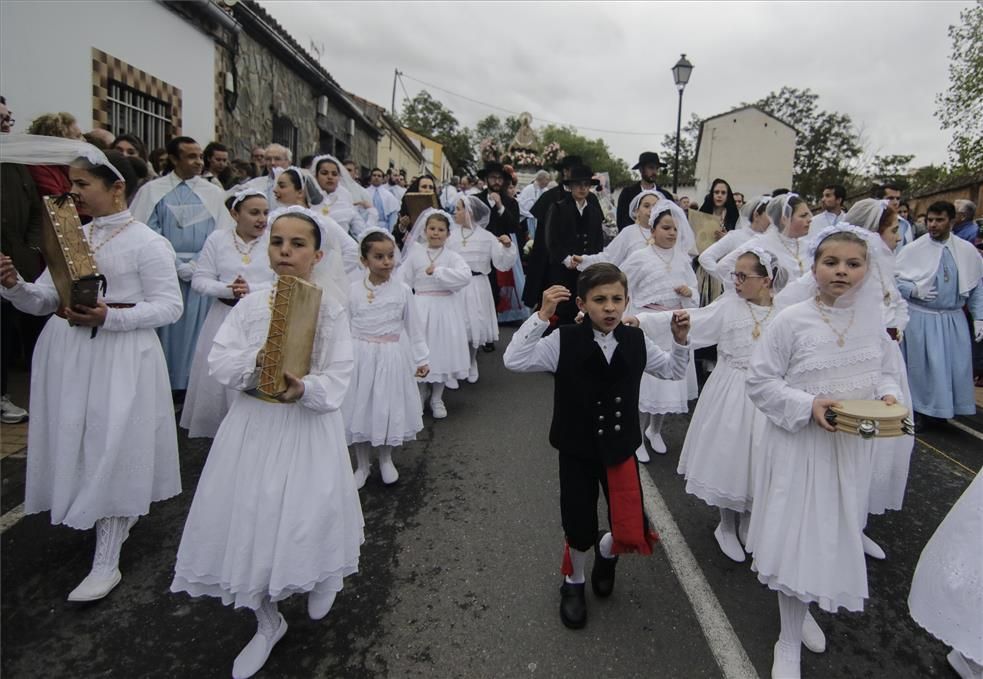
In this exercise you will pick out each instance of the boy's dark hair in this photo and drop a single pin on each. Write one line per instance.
(839, 191)
(212, 147)
(942, 207)
(174, 145)
(599, 274)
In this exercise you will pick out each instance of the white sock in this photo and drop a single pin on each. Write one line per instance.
(111, 532)
(579, 561)
(792, 612)
(474, 355)
(643, 423)
(362, 456)
(655, 424)
(605, 545)
(267, 618)
(437, 393)
(728, 521)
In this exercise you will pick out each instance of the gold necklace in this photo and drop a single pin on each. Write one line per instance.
(840, 336)
(464, 240)
(667, 262)
(434, 258)
(369, 292)
(246, 259)
(97, 248)
(794, 254)
(756, 331)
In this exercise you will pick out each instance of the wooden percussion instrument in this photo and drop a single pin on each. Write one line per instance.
(869, 419)
(294, 307)
(67, 254)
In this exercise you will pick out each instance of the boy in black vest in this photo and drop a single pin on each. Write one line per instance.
(598, 368)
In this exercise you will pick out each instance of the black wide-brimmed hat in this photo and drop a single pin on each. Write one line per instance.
(492, 167)
(581, 173)
(568, 161)
(649, 157)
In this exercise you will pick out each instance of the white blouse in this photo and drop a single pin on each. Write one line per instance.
(222, 260)
(631, 238)
(792, 253)
(653, 276)
(392, 311)
(139, 268)
(799, 359)
(232, 360)
(482, 250)
(451, 272)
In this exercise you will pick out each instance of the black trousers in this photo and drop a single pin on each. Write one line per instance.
(579, 481)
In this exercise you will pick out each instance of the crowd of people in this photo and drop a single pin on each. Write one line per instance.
(805, 311)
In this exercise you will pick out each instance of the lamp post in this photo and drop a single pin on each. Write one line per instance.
(680, 73)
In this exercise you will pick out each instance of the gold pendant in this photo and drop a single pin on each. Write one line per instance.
(370, 296)
(246, 259)
(840, 342)
(756, 333)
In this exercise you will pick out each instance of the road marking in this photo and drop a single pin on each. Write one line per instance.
(724, 644)
(10, 519)
(953, 461)
(969, 430)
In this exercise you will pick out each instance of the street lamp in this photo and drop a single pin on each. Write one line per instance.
(680, 73)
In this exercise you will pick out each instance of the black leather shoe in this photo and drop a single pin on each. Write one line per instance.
(573, 607)
(602, 575)
(488, 347)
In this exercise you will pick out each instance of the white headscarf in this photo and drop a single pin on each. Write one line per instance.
(477, 214)
(685, 241)
(866, 214)
(637, 200)
(309, 185)
(376, 229)
(777, 274)
(415, 237)
(329, 273)
(35, 149)
(244, 194)
(750, 208)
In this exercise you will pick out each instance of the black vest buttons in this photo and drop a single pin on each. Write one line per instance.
(617, 427)
(600, 432)
(617, 399)
(600, 418)
(617, 413)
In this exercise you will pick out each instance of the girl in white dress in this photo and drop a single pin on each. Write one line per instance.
(481, 251)
(382, 409)
(755, 221)
(809, 512)
(661, 278)
(718, 454)
(276, 511)
(437, 275)
(337, 186)
(102, 444)
(789, 240)
(631, 238)
(947, 589)
(232, 263)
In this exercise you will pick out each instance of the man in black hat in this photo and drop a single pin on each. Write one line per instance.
(648, 166)
(572, 227)
(504, 219)
(538, 261)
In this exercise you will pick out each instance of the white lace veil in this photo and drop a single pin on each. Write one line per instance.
(866, 213)
(35, 149)
(637, 200)
(415, 237)
(685, 240)
(750, 208)
(376, 229)
(309, 185)
(777, 273)
(329, 273)
(779, 210)
(477, 214)
(344, 178)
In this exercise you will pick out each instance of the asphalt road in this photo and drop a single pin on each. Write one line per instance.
(460, 575)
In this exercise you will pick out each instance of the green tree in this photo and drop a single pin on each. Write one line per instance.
(500, 131)
(960, 109)
(429, 117)
(687, 154)
(595, 152)
(892, 168)
(826, 146)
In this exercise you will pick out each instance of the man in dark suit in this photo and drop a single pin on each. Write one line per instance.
(648, 166)
(504, 220)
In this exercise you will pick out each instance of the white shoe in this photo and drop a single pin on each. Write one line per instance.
(642, 454)
(96, 586)
(438, 409)
(388, 471)
(361, 476)
(10, 413)
(254, 655)
(658, 445)
(729, 544)
(473, 372)
(871, 548)
(963, 667)
(812, 635)
(787, 663)
(319, 604)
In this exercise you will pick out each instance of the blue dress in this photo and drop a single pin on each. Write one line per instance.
(938, 345)
(182, 218)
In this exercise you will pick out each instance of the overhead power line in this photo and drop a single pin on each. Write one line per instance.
(515, 113)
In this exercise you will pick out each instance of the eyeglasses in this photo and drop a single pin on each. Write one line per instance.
(742, 277)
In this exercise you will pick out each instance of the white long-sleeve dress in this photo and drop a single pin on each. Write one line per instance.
(710, 258)
(102, 440)
(947, 589)
(481, 251)
(718, 458)
(653, 276)
(221, 260)
(383, 406)
(792, 253)
(631, 238)
(276, 511)
(810, 504)
(441, 307)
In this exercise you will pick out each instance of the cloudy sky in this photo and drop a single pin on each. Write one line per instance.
(607, 65)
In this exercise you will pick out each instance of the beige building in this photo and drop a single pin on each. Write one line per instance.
(750, 149)
(434, 160)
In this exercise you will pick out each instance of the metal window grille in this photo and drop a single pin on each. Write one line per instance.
(133, 112)
(285, 133)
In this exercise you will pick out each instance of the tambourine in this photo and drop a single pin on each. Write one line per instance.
(870, 419)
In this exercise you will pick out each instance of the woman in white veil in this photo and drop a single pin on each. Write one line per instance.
(754, 221)
(339, 191)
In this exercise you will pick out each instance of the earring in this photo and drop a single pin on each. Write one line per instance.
(118, 203)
